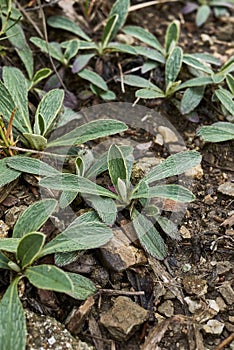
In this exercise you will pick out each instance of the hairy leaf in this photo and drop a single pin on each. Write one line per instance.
(172, 35)
(217, 132)
(105, 207)
(203, 13)
(31, 166)
(226, 99)
(120, 8)
(173, 65)
(117, 165)
(191, 99)
(83, 287)
(9, 244)
(65, 23)
(93, 78)
(149, 93)
(7, 174)
(29, 248)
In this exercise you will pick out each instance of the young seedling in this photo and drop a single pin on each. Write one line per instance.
(21, 254)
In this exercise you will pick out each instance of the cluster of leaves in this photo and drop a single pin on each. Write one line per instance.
(173, 58)
(21, 256)
(204, 8)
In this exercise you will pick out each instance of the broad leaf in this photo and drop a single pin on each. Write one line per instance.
(75, 183)
(203, 13)
(52, 48)
(174, 192)
(81, 61)
(105, 207)
(7, 174)
(173, 65)
(31, 166)
(65, 23)
(93, 78)
(89, 131)
(9, 244)
(63, 259)
(196, 63)
(200, 81)
(83, 287)
(149, 93)
(40, 75)
(71, 49)
(172, 35)
(34, 217)
(67, 198)
(226, 99)
(217, 132)
(49, 277)
(120, 8)
(152, 54)
(144, 36)
(149, 237)
(80, 236)
(34, 141)
(117, 165)
(16, 83)
(29, 248)
(105, 95)
(176, 164)
(169, 227)
(191, 99)
(48, 110)
(12, 320)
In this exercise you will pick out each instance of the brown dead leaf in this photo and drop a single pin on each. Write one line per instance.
(228, 222)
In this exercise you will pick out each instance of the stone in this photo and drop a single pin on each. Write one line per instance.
(227, 188)
(119, 254)
(185, 233)
(124, 318)
(213, 327)
(227, 292)
(168, 135)
(166, 308)
(194, 285)
(209, 200)
(223, 266)
(195, 172)
(44, 332)
(3, 229)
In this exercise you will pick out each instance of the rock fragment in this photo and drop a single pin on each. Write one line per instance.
(213, 327)
(124, 318)
(166, 308)
(227, 188)
(227, 293)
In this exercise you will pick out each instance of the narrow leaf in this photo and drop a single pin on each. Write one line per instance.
(12, 319)
(40, 75)
(71, 49)
(203, 13)
(89, 131)
(137, 81)
(7, 174)
(217, 132)
(119, 8)
(52, 48)
(230, 82)
(150, 53)
(83, 287)
(191, 99)
(49, 277)
(65, 23)
(173, 65)
(109, 29)
(34, 217)
(29, 248)
(67, 198)
(149, 93)
(117, 165)
(226, 100)
(93, 78)
(200, 81)
(172, 34)
(196, 63)
(105, 207)
(31, 166)
(81, 62)
(169, 227)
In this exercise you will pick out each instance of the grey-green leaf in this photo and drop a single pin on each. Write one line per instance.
(49, 277)
(105, 207)
(4, 261)
(117, 165)
(52, 48)
(9, 244)
(150, 53)
(169, 227)
(108, 30)
(12, 320)
(34, 217)
(93, 78)
(7, 174)
(203, 13)
(65, 23)
(173, 65)
(226, 99)
(31, 166)
(119, 8)
(172, 34)
(83, 287)
(217, 132)
(196, 63)
(191, 99)
(66, 198)
(149, 93)
(149, 237)
(34, 141)
(137, 81)
(90, 131)
(230, 82)
(29, 248)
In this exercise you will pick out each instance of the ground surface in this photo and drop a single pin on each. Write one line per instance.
(189, 296)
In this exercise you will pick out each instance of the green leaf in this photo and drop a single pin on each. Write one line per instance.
(9, 244)
(226, 99)
(137, 81)
(108, 29)
(105, 95)
(16, 83)
(196, 63)
(29, 248)
(17, 39)
(12, 320)
(7, 174)
(208, 58)
(40, 75)
(52, 48)
(174, 192)
(81, 61)
(200, 81)
(149, 93)
(203, 13)
(67, 198)
(71, 49)
(31, 166)
(118, 47)
(173, 65)
(176, 164)
(119, 8)
(148, 66)
(230, 82)
(64, 23)
(149, 237)
(150, 53)
(63, 259)
(75, 183)
(93, 78)
(34, 217)
(34, 141)
(191, 99)
(117, 165)
(79, 236)
(48, 109)
(105, 207)
(83, 287)
(4, 261)
(144, 36)
(49, 277)
(172, 35)
(90, 131)
(228, 66)
(217, 132)
(169, 227)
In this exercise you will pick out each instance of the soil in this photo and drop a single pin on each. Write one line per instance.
(193, 285)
